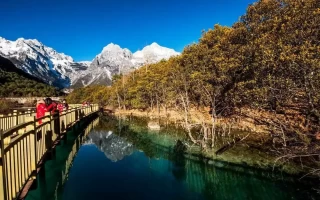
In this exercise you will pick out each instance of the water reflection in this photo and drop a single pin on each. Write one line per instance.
(113, 146)
(166, 154)
(122, 159)
(178, 161)
(52, 177)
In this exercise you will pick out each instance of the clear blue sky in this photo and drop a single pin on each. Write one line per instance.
(81, 28)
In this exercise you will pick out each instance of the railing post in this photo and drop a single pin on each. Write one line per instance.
(77, 113)
(55, 125)
(29, 111)
(15, 113)
(21, 118)
(73, 115)
(3, 178)
(62, 121)
(47, 134)
(32, 141)
(9, 121)
(2, 121)
(65, 118)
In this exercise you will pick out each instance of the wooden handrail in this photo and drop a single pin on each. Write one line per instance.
(9, 132)
(16, 140)
(15, 118)
(20, 156)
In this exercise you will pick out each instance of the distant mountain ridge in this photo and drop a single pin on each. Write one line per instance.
(115, 60)
(62, 71)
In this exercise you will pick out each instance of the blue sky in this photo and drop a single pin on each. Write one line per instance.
(81, 28)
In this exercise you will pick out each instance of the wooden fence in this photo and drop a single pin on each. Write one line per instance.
(11, 120)
(24, 144)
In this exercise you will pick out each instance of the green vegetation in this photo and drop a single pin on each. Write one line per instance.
(16, 83)
(267, 62)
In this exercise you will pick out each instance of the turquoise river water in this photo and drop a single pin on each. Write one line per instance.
(121, 159)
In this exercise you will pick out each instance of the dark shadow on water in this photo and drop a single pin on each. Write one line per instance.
(178, 161)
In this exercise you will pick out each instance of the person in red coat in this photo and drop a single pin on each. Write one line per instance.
(63, 106)
(41, 110)
(51, 106)
(60, 107)
(43, 106)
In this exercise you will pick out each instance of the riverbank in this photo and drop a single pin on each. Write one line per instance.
(257, 150)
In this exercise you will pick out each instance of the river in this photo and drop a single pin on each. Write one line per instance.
(121, 159)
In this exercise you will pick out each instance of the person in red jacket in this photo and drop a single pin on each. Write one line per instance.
(51, 106)
(60, 107)
(63, 106)
(43, 106)
(41, 110)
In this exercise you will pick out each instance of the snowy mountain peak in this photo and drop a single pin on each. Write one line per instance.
(153, 53)
(157, 49)
(60, 70)
(113, 52)
(32, 42)
(154, 44)
(115, 60)
(111, 47)
(20, 39)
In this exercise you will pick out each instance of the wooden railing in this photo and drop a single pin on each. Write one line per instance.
(15, 118)
(11, 120)
(24, 145)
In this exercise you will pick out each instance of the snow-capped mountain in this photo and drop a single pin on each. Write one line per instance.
(41, 61)
(152, 54)
(62, 71)
(115, 60)
(112, 60)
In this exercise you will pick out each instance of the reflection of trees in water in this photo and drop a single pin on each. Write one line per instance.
(215, 183)
(178, 161)
(227, 182)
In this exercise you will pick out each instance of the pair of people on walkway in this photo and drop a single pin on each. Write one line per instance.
(47, 105)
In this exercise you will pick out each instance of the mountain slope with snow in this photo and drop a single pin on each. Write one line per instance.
(62, 71)
(14, 82)
(41, 61)
(116, 60)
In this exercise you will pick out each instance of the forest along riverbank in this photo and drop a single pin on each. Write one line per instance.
(237, 142)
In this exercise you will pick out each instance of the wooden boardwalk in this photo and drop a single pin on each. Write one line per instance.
(25, 144)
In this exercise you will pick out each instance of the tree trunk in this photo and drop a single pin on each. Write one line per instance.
(186, 119)
(158, 105)
(213, 118)
(118, 97)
